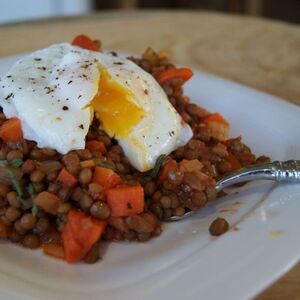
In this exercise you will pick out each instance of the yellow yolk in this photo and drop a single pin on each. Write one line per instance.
(114, 108)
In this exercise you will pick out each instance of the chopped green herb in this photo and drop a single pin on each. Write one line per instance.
(32, 194)
(15, 182)
(3, 163)
(34, 210)
(16, 163)
(31, 191)
(158, 165)
(107, 166)
(18, 189)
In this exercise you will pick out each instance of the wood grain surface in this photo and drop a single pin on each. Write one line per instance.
(259, 53)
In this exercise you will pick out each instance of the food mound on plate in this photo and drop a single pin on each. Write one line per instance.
(96, 147)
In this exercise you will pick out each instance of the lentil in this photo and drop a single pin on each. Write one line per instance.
(100, 210)
(218, 227)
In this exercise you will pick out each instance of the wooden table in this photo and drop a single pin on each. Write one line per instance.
(259, 53)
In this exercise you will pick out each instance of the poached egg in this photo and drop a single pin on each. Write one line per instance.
(56, 92)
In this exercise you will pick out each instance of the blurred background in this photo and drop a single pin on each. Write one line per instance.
(20, 10)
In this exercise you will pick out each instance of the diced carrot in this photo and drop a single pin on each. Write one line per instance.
(215, 117)
(3, 230)
(217, 125)
(87, 164)
(169, 165)
(49, 202)
(79, 235)
(66, 178)
(193, 165)
(11, 130)
(85, 42)
(96, 146)
(73, 250)
(125, 200)
(107, 178)
(235, 164)
(54, 250)
(167, 75)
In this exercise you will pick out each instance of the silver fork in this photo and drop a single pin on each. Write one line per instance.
(280, 171)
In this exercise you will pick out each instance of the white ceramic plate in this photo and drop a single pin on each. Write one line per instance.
(185, 262)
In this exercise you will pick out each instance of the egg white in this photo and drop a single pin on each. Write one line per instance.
(51, 91)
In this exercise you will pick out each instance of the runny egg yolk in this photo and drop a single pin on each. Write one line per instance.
(114, 107)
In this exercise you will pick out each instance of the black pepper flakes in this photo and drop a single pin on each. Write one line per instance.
(42, 68)
(81, 126)
(146, 91)
(129, 206)
(70, 81)
(11, 95)
(65, 107)
(37, 59)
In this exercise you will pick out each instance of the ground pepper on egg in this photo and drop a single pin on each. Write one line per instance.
(69, 204)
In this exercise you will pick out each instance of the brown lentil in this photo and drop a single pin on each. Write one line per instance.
(72, 163)
(85, 176)
(38, 187)
(12, 213)
(150, 188)
(84, 154)
(28, 166)
(5, 220)
(166, 202)
(31, 241)
(95, 189)
(42, 225)
(19, 228)
(37, 176)
(28, 221)
(64, 193)
(85, 202)
(218, 227)
(14, 154)
(13, 199)
(138, 224)
(49, 152)
(64, 208)
(15, 237)
(100, 210)
(144, 236)
(4, 189)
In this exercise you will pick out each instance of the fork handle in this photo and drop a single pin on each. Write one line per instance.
(288, 171)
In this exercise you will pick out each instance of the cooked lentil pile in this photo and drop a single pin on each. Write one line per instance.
(42, 190)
